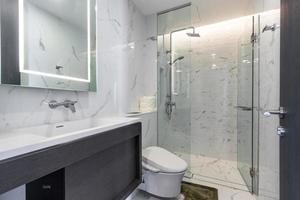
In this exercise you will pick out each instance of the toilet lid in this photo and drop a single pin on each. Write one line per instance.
(163, 160)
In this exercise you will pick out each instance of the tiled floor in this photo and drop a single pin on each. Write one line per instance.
(216, 171)
(224, 193)
(220, 174)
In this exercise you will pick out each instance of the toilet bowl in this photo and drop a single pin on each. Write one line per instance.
(163, 172)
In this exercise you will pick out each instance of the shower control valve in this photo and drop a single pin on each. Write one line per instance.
(171, 104)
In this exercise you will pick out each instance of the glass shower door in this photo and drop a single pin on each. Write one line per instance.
(245, 104)
(174, 63)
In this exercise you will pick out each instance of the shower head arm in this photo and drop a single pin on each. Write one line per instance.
(178, 30)
(183, 29)
(171, 57)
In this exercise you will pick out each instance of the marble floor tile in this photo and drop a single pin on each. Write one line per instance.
(224, 193)
(228, 193)
(214, 170)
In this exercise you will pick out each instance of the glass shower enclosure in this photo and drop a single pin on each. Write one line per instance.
(187, 63)
(248, 103)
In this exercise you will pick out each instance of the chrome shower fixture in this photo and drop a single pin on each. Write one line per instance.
(152, 38)
(270, 28)
(176, 60)
(170, 104)
(194, 34)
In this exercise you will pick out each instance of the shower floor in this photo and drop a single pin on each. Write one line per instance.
(214, 170)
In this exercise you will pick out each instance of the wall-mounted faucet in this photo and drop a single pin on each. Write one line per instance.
(59, 67)
(67, 104)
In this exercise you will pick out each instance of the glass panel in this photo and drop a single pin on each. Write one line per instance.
(245, 104)
(214, 101)
(174, 105)
(256, 102)
(209, 96)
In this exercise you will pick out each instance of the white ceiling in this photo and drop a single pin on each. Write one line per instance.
(149, 7)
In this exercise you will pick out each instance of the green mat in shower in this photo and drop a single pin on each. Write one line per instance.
(197, 192)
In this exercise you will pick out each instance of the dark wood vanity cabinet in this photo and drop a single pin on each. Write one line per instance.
(104, 166)
(50, 187)
(108, 175)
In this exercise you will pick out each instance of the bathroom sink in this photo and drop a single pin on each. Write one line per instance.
(26, 140)
(69, 128)
(8, 142)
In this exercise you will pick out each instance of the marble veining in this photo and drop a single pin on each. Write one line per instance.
(269, 100)
(65, 47)
(149, 128)
(207, 139)
(211, 169)
(123, 52)
(28, 107)
(205, 116)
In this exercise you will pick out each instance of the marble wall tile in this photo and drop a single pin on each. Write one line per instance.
(27, 107)
(149, 128)
(44, 48)
(269, 100)
(211, 128)
(120, 24)
(142, 61)
(266, 5)
(124, 74)
(205, 116)
(214, 83)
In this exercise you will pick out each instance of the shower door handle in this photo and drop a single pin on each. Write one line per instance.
(281, 112)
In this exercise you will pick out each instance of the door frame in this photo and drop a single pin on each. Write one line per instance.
(290, 99)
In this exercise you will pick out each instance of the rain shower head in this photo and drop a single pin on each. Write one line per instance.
(193, 34)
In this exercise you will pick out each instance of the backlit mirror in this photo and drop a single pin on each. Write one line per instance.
(56, 44)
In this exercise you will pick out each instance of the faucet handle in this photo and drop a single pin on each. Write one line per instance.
(70, 102)
(53, 104)
(67, 104)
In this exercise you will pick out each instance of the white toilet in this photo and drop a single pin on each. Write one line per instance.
(163, 172)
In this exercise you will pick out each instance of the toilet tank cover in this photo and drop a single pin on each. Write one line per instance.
(164, 160)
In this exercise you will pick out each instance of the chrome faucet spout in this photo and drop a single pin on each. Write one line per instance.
(67, 104)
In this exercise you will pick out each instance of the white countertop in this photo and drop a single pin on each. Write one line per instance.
(21, 141)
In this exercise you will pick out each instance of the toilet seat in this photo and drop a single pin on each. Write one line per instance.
(157, 160)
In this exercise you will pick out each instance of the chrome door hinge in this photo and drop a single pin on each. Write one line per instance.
(252, 172)
(254, 38)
